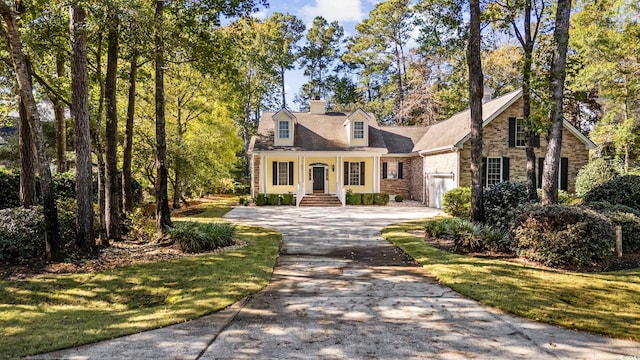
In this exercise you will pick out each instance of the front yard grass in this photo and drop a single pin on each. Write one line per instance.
(53, 312)
(605, 303)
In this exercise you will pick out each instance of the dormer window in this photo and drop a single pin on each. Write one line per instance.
(358, 130)
(283, 129)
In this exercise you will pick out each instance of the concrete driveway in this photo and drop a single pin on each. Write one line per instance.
(339, 291)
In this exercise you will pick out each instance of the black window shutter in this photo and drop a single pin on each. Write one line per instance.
(564, 173)
(275, 173)
(384, 170)
(399, 170)
(484, 172)
(362, 173)
(290, 172)
(536, 140)
(505, 169)
(540, 169)
(512, 132)
(346, 173)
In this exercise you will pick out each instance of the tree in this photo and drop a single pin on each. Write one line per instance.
(81, 129)
(558, 75)
(476, 89)
(12, 36)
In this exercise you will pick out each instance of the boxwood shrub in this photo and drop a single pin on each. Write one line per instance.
(594, 174)
(367, 199)
(622, 190)
(380, 199)
(562, 236)
(260, 199)
(457, 202)
(9, 189)
(21, 234)
(398, 198)
(500, 202)
(354, 198)
(287, 199)
(273, 199)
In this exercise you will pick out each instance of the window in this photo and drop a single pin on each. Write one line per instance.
(520, 133)
(283, 173)
(494, 171)
(358, 130)
(354, 173)
(392, 170)
(283, 129)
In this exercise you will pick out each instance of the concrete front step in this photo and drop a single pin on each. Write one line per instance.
(320, 200)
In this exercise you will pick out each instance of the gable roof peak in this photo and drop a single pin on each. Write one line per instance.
(286, 112)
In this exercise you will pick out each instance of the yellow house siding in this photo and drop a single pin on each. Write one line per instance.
(330, 161)
(368, 175)
(496, 144)
(280, 189)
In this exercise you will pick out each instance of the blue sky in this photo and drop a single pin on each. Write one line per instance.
(347, 12)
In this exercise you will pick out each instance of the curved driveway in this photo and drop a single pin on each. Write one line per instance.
(340, 291)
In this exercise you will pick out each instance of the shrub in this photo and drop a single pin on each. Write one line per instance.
(9, 189)
(354, 198)
(260, 199)
(466, 235)
(142, 226)
(380, 199)
(367, 199)
(273, 199)
(625, 217)
(501, 200)
(198, 237)
(457, 202)
(560, 235)
(623, 190)
(67, 210)
(21, 234)
(287, 199)
(594, 174)
(64, 185)
(398, 198)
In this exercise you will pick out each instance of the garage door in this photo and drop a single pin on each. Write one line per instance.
(438, 185)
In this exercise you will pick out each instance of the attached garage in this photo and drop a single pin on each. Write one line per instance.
(437, 185)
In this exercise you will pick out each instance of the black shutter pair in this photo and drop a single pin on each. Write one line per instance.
(346, 173)
(384, 170)
(274, 175)
(564, 173)
(512, 134)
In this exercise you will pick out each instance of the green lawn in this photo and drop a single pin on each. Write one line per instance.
(605, 303)
(54, 312)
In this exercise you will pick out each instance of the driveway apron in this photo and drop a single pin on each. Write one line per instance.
(340, 291)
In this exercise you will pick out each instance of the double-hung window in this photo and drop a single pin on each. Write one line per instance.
(494, 170)
(283, 173)
(354, 173)
(358, 130)
(283, 129)
(520, 133)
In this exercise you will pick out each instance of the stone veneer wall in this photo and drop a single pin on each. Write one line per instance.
(496, 143)
(410, 186)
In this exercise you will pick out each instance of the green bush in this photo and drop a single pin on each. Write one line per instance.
(64, 185)
(563, 197)
(380, 199)
(67, 210)
(354, 198)
(199, 237)
(562, 236)
(399, 198)
(21, 234)
(367, 199)
(500, 202)
(273, 199)
(625, 217)
(623, 190)
(594, 174)
(9, 189)
(260, 199)
(466, 235)
(287, 199)
(457, 202)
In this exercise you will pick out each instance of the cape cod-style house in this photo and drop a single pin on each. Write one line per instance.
(319, 152)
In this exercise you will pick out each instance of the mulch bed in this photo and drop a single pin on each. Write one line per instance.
(610, 263)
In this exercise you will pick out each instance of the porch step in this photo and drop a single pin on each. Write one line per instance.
(320, 200)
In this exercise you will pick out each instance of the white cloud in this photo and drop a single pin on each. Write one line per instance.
(334, 10)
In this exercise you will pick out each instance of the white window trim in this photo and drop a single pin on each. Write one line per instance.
(357, 182)
(487, 170)
(355, 131)
(522, 129)
(280, 122)
(286, 167)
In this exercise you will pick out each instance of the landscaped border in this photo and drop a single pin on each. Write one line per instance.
(604, 303)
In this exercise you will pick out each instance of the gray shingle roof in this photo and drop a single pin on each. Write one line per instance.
(402, 139)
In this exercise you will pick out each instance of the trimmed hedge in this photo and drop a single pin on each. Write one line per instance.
(287, 199)
(380, 199)
(367, 198)
(398, 198)
(623, 190)
(354, 198)
(562, 236)
(274, 199)
(457, 202)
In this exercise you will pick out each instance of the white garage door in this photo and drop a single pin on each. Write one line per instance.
(438, 185)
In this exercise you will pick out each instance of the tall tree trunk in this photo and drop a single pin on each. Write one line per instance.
(558, 74)
(12, 35)
(163, 214)
(97, 137)
(127, 189)
(81, 130)
(27, 160)
(112, 188)
(527, 46)
(476, 92)
(61, 125)
(282, 87)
